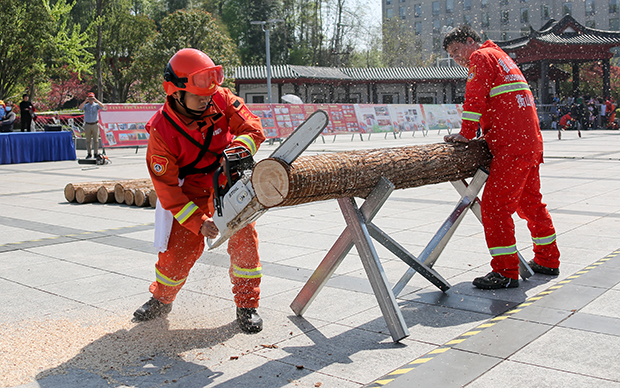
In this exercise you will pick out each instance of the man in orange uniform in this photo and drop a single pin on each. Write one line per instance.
(188, 135)
(499, 100)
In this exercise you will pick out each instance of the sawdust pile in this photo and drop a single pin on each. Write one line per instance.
(32, 350)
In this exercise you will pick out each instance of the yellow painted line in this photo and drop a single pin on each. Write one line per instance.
(524, 304)
(401, 371)
(597, 263)
(456, 341)
(484, 326)
(545, 293)
(555, 287)
(513, 311)
(564, 282)
(421, 360)
(590, 267)
(498, 318)
(440, 350)
(535, 298)
(470, 333)
(580, 272)
(573, 277)
(383, 382)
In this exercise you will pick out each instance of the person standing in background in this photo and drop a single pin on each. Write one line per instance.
(26, 109)
(91, 107)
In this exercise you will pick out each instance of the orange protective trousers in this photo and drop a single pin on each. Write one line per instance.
(514, 185)
(185, 247)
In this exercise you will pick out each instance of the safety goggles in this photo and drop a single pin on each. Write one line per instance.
(207, 78)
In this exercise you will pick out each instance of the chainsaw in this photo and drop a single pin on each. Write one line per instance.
(235, 204)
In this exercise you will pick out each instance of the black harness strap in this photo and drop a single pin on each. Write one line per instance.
(191, 169)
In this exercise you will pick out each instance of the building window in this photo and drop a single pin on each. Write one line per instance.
(613, 6)
(505, 18)
(449, 6)
(389, 13)
(567, 9)
(485, 19)
(466, 5)
(589, 7)
(450, 22)
(467, 20)
(417, 10)
(436, 25)
(418, 28)
(614, 24)
(504, 35)
(590, 24)
(258, 99)
(544, 12)
(525, 15)
(435, 8)
(388, 2)
(401, 12)
(484, 3)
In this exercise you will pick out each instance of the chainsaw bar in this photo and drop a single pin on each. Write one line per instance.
(288, 151)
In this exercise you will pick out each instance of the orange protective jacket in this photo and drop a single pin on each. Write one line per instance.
(195, 154)
(498, 98)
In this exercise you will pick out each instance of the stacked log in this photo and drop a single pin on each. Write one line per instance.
(140, 192)
(356, 173)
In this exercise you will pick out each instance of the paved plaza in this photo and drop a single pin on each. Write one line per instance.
(72, 275)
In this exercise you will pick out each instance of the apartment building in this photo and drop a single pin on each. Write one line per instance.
(498, 20)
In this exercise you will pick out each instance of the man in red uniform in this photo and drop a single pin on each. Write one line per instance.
(499, 100)
(188, 135)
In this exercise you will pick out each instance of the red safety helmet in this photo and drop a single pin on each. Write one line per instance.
(90, 94)
(193, 71)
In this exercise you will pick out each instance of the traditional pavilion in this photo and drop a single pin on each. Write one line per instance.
(564, 41)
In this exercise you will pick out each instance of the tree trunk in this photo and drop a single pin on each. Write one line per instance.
(356, 173)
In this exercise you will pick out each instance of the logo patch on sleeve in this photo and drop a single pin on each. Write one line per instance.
(472, 74)
(245, 113)
(159, 165)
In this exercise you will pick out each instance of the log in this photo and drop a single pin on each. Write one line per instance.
(105, 193)
(71, 189)
(121, 186)
(70, 192)
(133, 192)
(152, 198)
(141, 197)
(356, 173)
(86, 194)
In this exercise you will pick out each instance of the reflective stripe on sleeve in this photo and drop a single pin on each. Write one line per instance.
(471, 116)
(248, 141)
(544, 240)
(507, 88)
(166, 281)
(247, 273)
(499, 251)
(186, 212)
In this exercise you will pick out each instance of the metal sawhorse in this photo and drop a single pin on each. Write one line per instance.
(360, 230)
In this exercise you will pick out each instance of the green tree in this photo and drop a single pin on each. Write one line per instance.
(401, 47)
(123, 35)
(182, 29)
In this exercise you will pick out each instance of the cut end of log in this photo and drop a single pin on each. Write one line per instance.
(70, 192)
(271, 182)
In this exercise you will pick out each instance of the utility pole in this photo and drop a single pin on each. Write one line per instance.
(266, 26)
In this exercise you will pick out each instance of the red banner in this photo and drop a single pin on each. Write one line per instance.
(123, 125)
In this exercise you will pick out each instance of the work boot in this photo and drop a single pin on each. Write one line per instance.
(493, 281)
(249, 320)
(542, 269)
(88, 156)
(151, 310)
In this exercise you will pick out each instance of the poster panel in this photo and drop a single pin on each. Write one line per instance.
(123, 125)
(373, 118)
(407, 117)
(283, 119)
(267, 118)
(453, 116)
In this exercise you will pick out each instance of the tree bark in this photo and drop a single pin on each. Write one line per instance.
(121, 186)
(356, 173)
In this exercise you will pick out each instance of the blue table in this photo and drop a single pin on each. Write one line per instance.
(30, 147)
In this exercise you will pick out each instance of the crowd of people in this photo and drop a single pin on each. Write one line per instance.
(583, 113)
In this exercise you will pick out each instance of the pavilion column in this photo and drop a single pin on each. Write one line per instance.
(606, 82)
(575, 78)
(406, 93)
(543, 90)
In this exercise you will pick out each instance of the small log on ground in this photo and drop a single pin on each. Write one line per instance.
(132, 192)
(141, 197)
(71, 188)
(356, 173)
(86, 194)
(121, 186)
(152, 198)
(105, 193)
